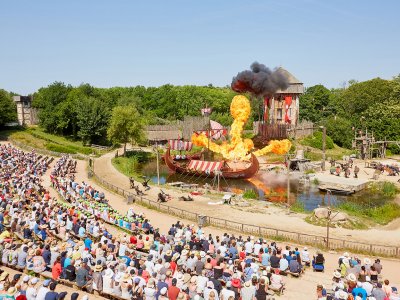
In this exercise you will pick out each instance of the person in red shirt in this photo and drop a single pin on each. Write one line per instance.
(172, 264)
(173, 291)
(57, 269)
(133, 239)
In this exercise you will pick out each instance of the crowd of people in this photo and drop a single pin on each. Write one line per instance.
(72, 243)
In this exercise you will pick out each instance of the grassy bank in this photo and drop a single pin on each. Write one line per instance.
(126, 165)
(37, 138)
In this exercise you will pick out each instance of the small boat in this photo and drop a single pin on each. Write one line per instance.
(183, 157)
(208, 168)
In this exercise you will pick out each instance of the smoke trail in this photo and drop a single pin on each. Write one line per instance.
(259, 80)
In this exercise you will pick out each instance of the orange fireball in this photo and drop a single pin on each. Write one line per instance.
(238, 148)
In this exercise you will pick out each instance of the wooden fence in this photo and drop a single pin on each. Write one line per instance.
(317, 241)
(273, 131)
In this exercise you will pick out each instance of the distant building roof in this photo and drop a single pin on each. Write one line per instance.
(296, 86)
(288, 75)
(164, 135)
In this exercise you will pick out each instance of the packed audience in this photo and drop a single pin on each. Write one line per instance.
(70, 243)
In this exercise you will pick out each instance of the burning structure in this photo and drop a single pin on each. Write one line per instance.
(280, 91)
(238, 148)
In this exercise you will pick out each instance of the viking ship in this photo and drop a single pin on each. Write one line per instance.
(208, 168)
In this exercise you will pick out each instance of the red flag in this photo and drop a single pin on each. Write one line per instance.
(352, 128)
(313, 99)
(288, 101)
(360, 132)
(323, 109)
(266, 109)
(335, 118)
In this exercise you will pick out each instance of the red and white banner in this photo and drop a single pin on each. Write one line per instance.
(179, 145)
(212, 132)
(288, 101)
(205, 165)
(266, 109)
(216, 126)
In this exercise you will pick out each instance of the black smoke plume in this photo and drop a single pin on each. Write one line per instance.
(259, 80)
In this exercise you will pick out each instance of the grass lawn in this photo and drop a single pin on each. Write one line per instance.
(37, 138)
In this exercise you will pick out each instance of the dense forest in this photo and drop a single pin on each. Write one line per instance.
(85, 112)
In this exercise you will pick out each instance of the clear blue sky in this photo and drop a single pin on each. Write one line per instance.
(151, 43)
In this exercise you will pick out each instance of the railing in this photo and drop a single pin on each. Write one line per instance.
(274, 233)
(46, 152)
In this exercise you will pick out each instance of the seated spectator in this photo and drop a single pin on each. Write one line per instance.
(283, 263)
(70, 271)
(39, 264)
(305, 256)
(277, 282)
(319, 259)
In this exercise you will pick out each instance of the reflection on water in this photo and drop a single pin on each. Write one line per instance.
(263, 184)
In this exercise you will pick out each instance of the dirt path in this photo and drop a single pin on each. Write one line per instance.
(271, 216)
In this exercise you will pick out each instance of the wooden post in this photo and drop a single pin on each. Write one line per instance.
(323, 146)
(277, 234)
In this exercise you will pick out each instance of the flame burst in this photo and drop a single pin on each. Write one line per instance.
(239, 148)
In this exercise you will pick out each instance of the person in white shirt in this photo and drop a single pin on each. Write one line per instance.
(286, 251)
(223, 249)
(305, 255)
(248, 247)
(257, 248)
(367, 286)
(227, 292)
(202, 280)
(41, 294)
(149, 264)
(96, 231)
(31, 292)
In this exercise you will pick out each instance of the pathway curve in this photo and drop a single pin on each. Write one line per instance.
(273, 217)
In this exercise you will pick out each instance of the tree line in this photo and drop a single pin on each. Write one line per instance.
(97, 115)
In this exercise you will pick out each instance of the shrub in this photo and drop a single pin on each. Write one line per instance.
(389, 189)
(85, 150)
(316, 181)
(310, 171)
(61, 149)
(249, 194)
(317, 141)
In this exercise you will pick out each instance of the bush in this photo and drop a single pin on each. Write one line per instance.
(249, 194)
(61, 149)
(310, 171)
(317, 141)
(389, 189)
(85, 150)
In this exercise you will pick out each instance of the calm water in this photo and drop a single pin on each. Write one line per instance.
(263, 184)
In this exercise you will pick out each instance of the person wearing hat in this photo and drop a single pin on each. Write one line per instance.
(277, 281)
(22, 258)
(41, 294)
(343, 267)
(247, 292)
(378, 292)
(97, 279)
(173, 290)
(150, 291)
(31, 292)
(336, 280)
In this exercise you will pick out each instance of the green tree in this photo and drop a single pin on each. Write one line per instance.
(8, 110)
(125, 126)
(93, 120)
(313, 110)
(340, 131)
